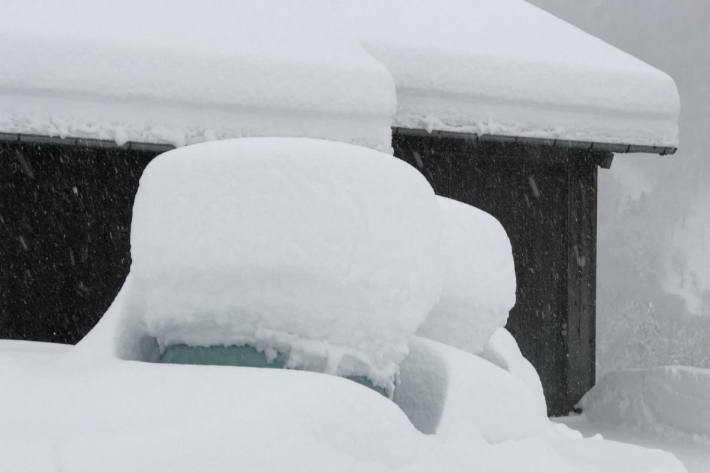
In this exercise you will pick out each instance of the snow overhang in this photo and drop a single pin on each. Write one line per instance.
(347, 71)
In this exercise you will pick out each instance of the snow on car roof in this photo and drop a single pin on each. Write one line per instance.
(187, 71)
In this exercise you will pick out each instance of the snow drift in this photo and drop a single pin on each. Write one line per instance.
(479, 278)
(446, 391)
(671, 398)
(502, 350)
(117, 416)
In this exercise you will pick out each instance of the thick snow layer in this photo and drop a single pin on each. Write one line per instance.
(479, 278)
(328, 69)
(483, 66)
(447, 391)
(117, 416)
(672, 399)
(503, 351)
(694, 453)
(187, 71)
(324, 251)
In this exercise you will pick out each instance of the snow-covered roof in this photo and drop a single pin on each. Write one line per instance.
(187, 71)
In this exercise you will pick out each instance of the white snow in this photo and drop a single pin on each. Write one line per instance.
(188, 71)
(484, 66)
(20, 351)
(449, 392)
(118, 416)
(693, 453)
(324, 251)
(503, 351)
(479, 278)
(669, 399)
(195, 71)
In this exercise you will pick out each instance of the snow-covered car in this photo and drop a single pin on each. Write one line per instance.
(297, 263)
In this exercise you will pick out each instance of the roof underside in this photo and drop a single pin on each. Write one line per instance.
(162, 147)
(349, 71)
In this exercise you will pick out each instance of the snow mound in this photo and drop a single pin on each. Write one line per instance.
(479, 278)
(324, 252)
(118, 416)
(146, 417)
(502, 350)
(449, 392)
(671, 399)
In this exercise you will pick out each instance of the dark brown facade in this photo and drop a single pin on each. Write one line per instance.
(65, 218)
(545, 197)
(65, 212)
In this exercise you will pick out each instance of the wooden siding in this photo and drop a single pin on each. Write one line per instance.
(545, 197)
(65, 215)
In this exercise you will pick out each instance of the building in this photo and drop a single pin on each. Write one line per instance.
(498, 103)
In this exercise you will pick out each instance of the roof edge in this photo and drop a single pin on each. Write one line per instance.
(86, 142)
(483, 138)
(552, 142)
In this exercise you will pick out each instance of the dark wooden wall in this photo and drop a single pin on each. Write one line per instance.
(545, 198)
(65, 215)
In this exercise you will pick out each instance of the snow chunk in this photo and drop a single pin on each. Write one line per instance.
(325, 252)
(479, 278)
(672, 399)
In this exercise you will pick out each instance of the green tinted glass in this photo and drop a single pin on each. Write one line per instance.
(242, 355)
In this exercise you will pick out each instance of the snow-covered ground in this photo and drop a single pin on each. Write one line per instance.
(118, 416)
(667, 408)
(664, 399)
(693, 452)
(245, 243)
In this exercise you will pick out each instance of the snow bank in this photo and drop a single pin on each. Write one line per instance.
(35, 348)
(120, 416)
(502, 350)
(479, 278)
(338, 70)
(671, 399)
(21, 351)
(145, 417)
(325, 252)
(598, 454)
(448, 392)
